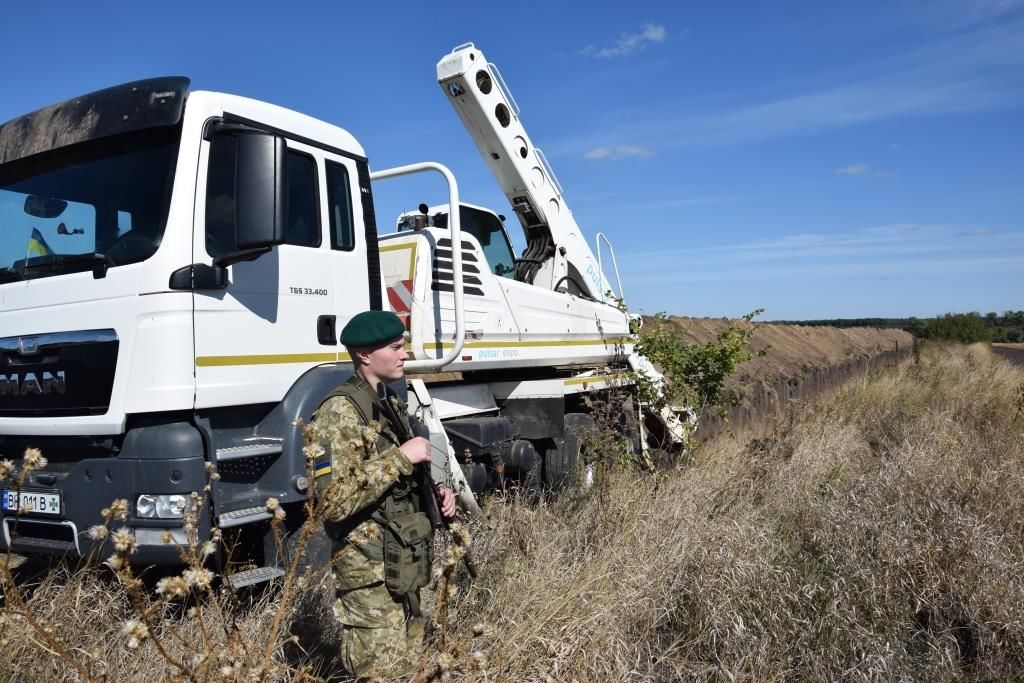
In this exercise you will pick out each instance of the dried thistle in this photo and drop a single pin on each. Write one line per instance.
(33, 459)
(124, 540)
(198, 577)
(136, 632)
(117, 510)
(172, 587)
(116, 562)
(477, 660)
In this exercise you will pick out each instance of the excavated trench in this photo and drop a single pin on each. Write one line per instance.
(795, 364)
(764, 401)
(1011, 352)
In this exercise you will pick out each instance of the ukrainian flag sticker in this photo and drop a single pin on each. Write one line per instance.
(321, 468)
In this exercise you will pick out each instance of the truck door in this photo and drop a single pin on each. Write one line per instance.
(274, 320)
(350, 231)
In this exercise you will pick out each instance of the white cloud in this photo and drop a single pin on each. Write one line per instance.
(975, 70)
(618, 152)
(977, 232)
(979, 11)
(629, 43)
(883, 250)
(861, 170)
(683, 202)
(853, 169)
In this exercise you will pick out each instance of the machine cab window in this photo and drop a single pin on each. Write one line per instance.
(490, 233)
(485, 226)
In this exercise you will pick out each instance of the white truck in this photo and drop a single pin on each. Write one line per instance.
(175, 267)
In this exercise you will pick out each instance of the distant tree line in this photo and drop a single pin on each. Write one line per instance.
(962, 327)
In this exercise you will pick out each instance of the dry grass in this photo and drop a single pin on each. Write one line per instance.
(879, 536)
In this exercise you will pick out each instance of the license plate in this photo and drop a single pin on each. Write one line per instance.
(34, 502)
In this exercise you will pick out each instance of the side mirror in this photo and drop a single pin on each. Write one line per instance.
(260, 192)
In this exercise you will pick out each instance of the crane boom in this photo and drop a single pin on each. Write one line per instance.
(557, 254)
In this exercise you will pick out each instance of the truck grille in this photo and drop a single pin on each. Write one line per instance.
(57, 374)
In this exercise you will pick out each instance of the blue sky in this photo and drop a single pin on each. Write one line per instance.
(817, 160)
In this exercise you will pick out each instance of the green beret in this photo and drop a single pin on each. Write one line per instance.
(372, 328)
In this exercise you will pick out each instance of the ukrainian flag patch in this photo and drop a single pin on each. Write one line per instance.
(321, 468)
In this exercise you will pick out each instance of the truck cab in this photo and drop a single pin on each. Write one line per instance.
(174, 269)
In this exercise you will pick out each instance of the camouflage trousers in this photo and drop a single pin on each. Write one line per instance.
(385, 642)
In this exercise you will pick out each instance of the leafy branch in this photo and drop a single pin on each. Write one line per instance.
(695, 374)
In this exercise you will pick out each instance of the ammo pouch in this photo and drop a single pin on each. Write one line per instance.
(408, 551)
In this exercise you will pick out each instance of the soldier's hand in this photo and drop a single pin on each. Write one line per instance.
(417, 449)
(447, 501)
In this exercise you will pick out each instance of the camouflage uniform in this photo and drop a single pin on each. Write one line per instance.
(358, 478)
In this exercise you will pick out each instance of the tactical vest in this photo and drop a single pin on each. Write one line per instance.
(406, 543)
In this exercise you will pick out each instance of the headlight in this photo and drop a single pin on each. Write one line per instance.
(170, 507)
(150, 506)
(145, 506)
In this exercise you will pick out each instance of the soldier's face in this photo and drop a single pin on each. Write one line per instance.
(387, 363)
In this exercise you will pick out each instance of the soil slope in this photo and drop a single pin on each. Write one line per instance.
(799, 363)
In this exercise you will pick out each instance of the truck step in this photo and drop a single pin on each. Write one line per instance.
(250, 450)
(243, 516)
(251, 577)
(44, 545)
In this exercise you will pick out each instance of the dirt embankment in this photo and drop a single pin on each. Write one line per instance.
(799, 364)
(1013, 352)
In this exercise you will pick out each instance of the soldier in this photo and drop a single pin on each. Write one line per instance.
(382, 543)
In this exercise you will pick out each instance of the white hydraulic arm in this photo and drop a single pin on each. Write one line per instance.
(557, 255)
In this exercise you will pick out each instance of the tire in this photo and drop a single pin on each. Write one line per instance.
(315, 557)
(627, 425)
(533, 479)
(562, 465)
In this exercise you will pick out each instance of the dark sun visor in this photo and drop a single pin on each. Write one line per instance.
(123, 108)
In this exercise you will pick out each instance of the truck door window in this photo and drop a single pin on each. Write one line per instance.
(303, 227)
(303, 220)
(339, 202)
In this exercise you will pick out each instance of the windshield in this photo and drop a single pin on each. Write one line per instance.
(101, 202)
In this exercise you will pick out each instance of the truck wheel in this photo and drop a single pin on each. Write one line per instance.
(561, 465)
(315, 556)
(533, 480)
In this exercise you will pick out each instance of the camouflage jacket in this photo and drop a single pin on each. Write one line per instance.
(358, 466)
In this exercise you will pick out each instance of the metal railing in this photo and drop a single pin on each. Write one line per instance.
(615, 266)
(454, 229)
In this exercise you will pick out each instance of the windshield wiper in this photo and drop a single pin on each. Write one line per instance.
(10, 275)
(67, 263)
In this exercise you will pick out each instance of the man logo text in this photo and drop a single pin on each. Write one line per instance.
(18, 385)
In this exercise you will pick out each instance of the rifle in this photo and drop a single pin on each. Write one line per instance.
(421, 471)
